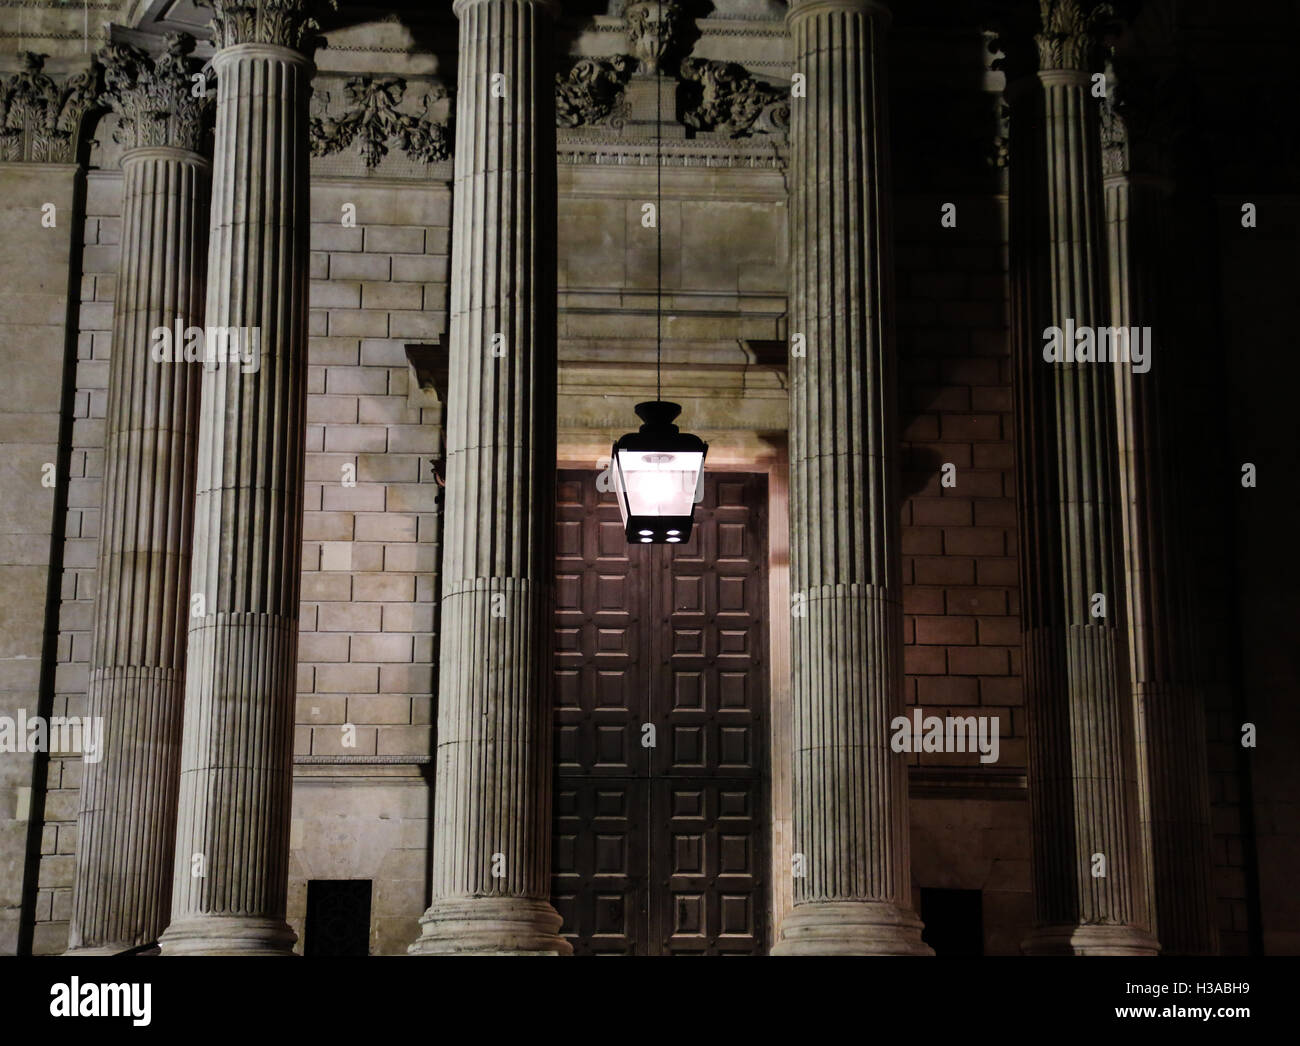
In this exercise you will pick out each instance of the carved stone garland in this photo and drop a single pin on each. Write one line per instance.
(373, 115)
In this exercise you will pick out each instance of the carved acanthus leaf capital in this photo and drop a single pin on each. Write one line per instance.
(1069, 32)
(285, 23)
(159, 101)
(40, 119)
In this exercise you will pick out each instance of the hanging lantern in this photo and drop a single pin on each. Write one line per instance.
(659, 477)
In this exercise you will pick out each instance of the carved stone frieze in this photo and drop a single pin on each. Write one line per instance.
(591, 94)
(41, 118)
(373, 116)
(732, 102)
(159, 101)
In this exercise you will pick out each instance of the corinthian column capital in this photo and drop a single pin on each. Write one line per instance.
(282, 23)
(1069, 32)
(154, 98)
(41, 117)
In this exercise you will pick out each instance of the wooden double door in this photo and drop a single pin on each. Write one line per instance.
(661, 734)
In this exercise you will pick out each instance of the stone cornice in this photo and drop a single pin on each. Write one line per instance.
(40, 119)
(615, 151)
(154, 98)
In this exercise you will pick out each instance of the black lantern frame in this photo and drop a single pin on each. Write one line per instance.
(658, 475)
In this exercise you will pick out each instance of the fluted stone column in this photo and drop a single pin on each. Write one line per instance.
(850, 789)
(1087, 860)
(126, 822)
(492, 810)
(1167, 681)
(232, 840)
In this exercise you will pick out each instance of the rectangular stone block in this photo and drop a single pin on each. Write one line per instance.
(413, 497)
(406, 679)
(384, 588)
(325, 410)
(405, 740)
(360, 438)
(384, 709)
(347, 679)
(386, 527)
(383, 352)
(359, 266)
(393, 647)
(387, 410)
(329, 740)
(392, 296)
(416, 324)
(334, 236)
(327, 526)
(327, 587)
(363, 323)
(349, 617)
(408, 617)
(364, 497)
(413, 439)
(978, 661)
(322, 647)
(335, 294)
(419, 269)
(315, 709)
(388, 468)
(394, 239)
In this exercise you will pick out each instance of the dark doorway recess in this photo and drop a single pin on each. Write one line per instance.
(338, 917)
(954, 921)
(662, 850)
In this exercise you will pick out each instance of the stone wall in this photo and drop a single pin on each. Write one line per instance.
(38, 480)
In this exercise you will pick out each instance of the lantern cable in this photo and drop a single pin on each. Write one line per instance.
(659, 236)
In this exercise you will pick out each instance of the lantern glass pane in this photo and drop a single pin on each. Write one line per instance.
(656, 483)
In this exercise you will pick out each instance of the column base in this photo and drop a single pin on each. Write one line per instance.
(1089, 940)
(851, 928)
(228, 935)
(111, 949)
(490, 926)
